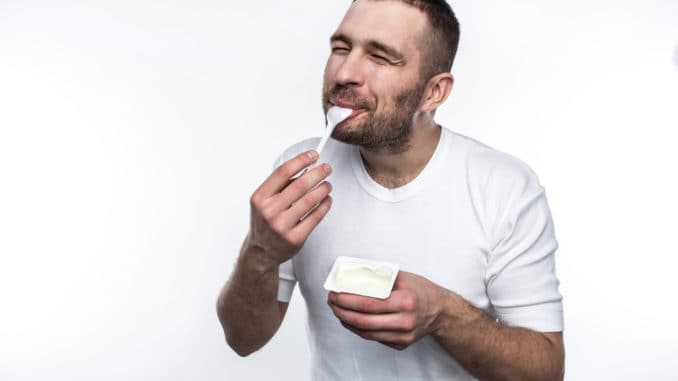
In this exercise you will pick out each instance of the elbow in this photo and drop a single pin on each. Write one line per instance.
(242, 352)
(238, 347)
(236, 344)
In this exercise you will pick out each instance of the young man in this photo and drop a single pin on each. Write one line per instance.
(469, 226)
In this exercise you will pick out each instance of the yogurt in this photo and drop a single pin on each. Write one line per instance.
(362, 277)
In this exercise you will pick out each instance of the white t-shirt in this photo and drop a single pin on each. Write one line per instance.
(475, 221)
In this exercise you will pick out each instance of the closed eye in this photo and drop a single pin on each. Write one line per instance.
(340, 50)
(380, 59)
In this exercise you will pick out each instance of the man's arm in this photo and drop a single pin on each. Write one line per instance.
(283, 214)
(493, 351)
(247, 306)
(485, 348)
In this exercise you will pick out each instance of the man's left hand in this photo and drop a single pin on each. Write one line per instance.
(409, 313)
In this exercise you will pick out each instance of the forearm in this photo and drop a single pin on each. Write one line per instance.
(247, 306)
(492, 351)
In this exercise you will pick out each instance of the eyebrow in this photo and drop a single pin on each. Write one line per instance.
(373, 44)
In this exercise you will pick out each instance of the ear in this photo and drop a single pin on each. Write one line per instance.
(437, 90)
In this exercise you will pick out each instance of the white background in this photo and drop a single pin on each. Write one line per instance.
(133, 132)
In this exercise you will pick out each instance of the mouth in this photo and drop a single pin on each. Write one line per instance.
(357, 110)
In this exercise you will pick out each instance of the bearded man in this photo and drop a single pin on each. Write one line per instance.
(470, 227)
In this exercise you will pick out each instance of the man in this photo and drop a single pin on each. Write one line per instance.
(470, 227)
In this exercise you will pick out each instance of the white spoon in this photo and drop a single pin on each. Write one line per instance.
(335, 115)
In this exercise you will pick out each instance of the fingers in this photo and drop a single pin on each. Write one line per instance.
(399, 300)
(306, 226)
(306, 204)
(300, 187)
(281, 176)
(396, 322)
(395, 340)
(294, 192)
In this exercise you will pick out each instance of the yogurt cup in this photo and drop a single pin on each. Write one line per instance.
(362, 277)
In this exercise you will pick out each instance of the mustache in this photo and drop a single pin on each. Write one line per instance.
(347, 94)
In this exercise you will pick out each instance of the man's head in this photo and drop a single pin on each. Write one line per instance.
(390, 61)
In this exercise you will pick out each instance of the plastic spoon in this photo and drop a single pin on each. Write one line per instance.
(335, 115)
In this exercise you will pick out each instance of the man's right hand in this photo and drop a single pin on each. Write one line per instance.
(277, 230)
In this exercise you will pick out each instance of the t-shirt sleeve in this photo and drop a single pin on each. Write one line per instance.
(287, 281)
(521, 279)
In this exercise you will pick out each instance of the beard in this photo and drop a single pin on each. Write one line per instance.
(388, 130)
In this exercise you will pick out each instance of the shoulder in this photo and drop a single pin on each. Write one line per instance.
(499, 185)
(501, 188)
(489, 168)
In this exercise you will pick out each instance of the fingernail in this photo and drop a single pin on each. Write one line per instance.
(327, 168)
(312, 154)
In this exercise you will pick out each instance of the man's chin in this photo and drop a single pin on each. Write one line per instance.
(347, 133)
(343, 136)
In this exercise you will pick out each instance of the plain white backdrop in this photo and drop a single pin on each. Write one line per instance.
(132, 134)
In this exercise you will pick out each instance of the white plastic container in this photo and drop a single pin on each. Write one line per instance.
(362, 276)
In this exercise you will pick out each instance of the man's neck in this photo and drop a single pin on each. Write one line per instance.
(393, 170)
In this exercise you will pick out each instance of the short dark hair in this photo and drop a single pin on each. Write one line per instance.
(440, 47)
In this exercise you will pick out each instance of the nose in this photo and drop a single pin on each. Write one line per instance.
(350, 71)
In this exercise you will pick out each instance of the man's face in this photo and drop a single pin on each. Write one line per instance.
(374, 69)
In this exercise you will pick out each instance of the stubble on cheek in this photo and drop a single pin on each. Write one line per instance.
(389, 129)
